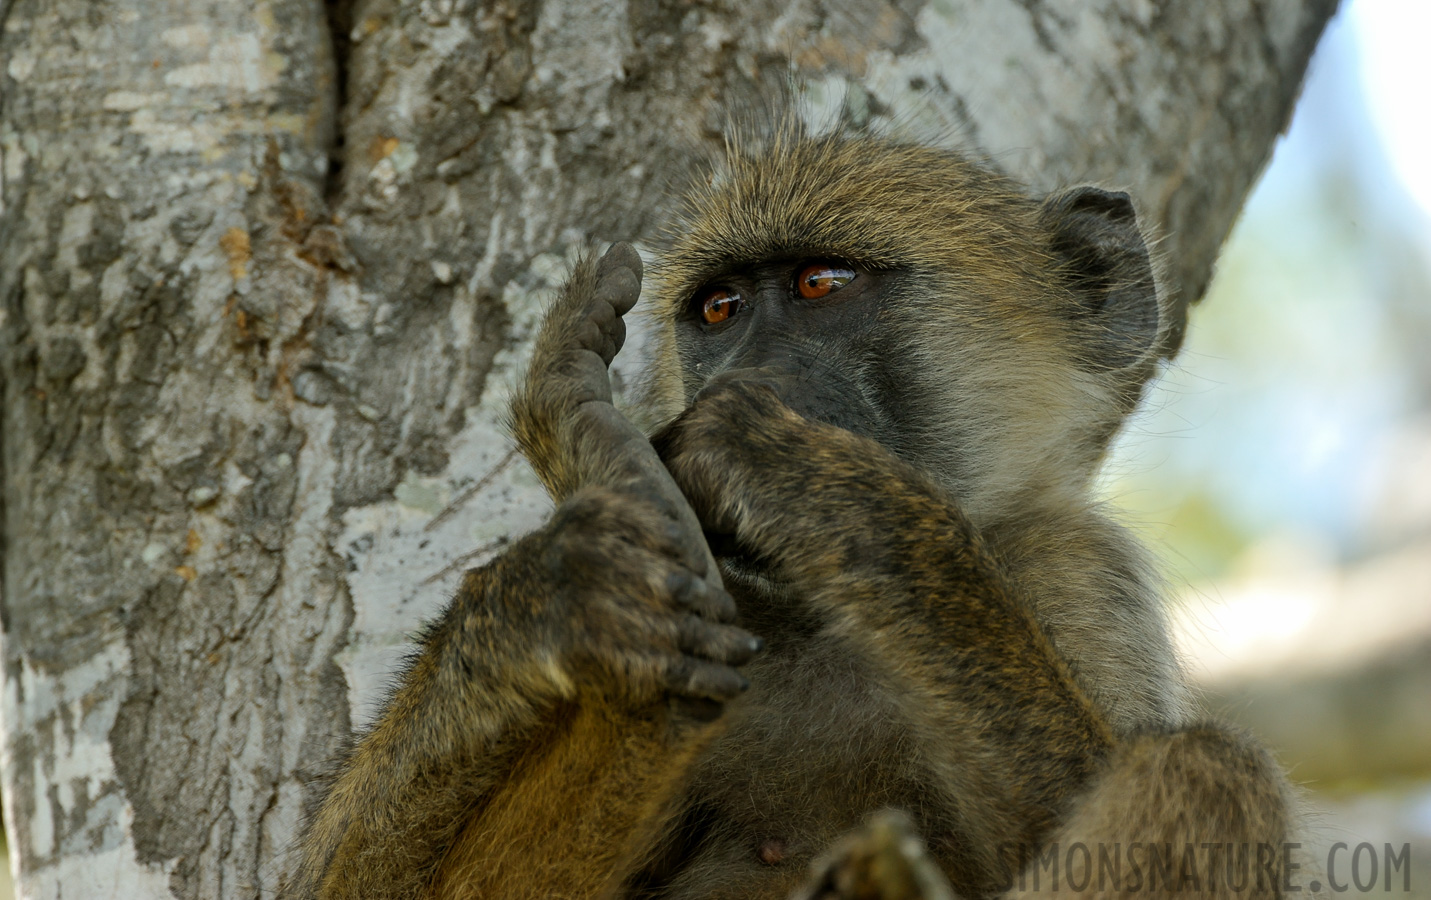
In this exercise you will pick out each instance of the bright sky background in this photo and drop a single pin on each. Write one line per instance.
(1390, 37)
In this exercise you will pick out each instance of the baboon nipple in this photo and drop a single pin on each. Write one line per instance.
(771, 852)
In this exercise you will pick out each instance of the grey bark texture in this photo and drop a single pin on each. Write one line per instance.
(267, 269)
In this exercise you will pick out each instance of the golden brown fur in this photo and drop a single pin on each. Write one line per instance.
(951, 627)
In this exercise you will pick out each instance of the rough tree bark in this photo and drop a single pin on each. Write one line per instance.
(267, 268)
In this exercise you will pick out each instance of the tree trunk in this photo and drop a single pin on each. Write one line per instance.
(267, 270)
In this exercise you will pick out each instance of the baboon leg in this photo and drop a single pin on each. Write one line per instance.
(1201, 811)
(1197, 812)
(577, 815)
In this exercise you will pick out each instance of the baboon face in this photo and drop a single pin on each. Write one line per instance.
(813, 328)
(913, 297)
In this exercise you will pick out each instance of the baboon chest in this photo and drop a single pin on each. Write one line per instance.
(816, 745)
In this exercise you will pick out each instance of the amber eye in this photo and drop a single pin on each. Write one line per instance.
(717, 305)
(820, 279)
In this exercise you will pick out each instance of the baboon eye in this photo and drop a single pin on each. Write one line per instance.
(820, 279)
(718, 304)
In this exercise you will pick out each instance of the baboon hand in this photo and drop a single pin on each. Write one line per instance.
(757, 471)
(633, 616)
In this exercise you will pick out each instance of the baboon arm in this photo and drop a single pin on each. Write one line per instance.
(897, 569)
(932, 611)
(486, 743)
(504, 766)
(901, 573)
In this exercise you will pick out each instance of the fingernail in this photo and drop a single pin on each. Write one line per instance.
(757, 644)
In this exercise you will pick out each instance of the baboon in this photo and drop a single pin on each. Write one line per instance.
(856, 567)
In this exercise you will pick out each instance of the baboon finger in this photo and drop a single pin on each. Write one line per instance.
(618, 288)
(691, 592)
(616, 335)
(603, 331)
(691, 677)
(619, 256)
(591, 335)
(718, 643)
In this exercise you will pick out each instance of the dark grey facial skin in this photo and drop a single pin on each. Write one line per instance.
(821, 356)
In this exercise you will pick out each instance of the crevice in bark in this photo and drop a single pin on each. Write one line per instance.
(4, 481)
(1039, 16)
(340, 28)
(11, 303)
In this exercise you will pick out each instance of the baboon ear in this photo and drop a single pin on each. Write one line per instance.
(1095, 235)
